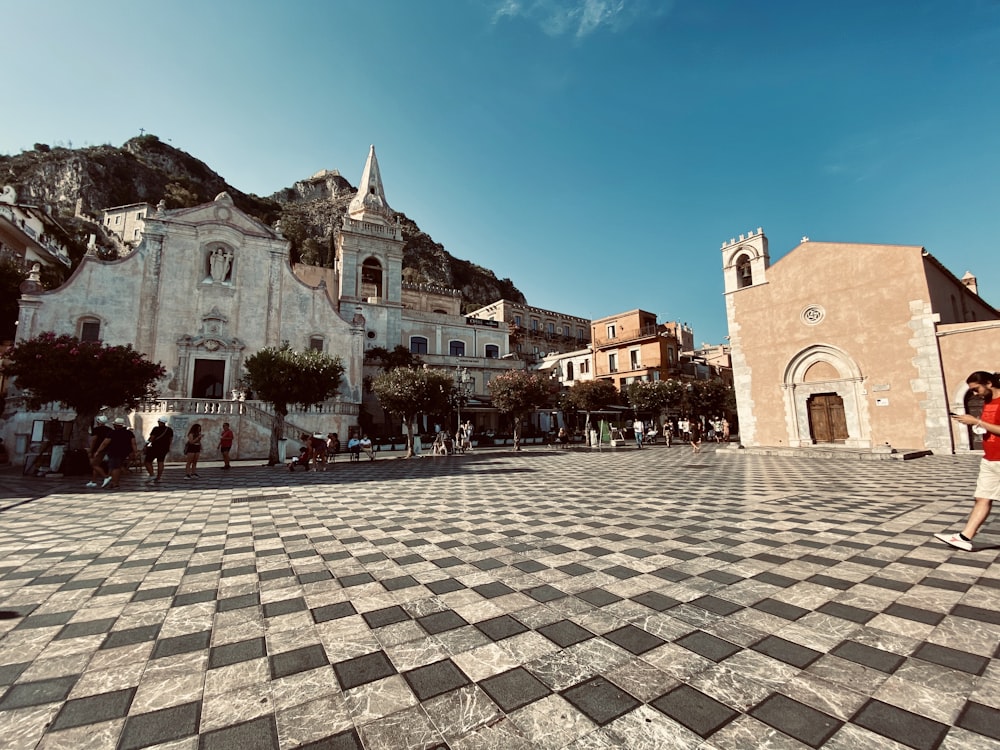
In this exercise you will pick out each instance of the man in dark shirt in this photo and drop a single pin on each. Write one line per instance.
(157, 448)
(119, 445)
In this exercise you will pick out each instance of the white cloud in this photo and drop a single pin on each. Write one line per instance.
(579, 18)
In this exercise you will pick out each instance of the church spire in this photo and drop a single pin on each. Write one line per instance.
(370, 203)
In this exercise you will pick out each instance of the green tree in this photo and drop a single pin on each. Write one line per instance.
(518, 393)
(711, 398)
(649, 396)
(407, 392)
(400, 356)
(85, 376)
(590, 396)
(282, 376)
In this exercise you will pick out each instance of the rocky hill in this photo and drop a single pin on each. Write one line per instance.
(82, 181)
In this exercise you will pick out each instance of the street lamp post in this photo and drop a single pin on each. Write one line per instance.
(463, 384)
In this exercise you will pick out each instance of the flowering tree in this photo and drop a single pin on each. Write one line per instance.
(282, 376)
(590, 396)
(85, 376)
(518, 393)
(407, 392)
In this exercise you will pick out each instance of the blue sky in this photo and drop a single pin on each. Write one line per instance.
(597, 152)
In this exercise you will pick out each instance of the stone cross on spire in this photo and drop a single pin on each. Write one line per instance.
(370, 203)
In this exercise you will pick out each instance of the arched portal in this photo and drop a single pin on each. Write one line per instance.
(824, 403)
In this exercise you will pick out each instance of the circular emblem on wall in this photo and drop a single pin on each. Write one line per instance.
(222, 213)
(211, 345)
(812, 315)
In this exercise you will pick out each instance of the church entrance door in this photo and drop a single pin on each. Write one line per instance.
(827, 422)
(208, 380)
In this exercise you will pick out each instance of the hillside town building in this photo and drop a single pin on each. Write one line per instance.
(631, 347)
(870, 356)
(26, 233)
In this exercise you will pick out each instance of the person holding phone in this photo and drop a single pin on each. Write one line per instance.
(987, 386)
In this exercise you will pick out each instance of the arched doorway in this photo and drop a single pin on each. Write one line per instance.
(823, 389)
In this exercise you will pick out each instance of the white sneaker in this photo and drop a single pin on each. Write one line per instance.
(106, 482)
(955, 541)
(90, 484)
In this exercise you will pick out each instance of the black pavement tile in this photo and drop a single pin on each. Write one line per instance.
(876, 658)
(372, 557)
(82, 583)
(980, 719)
(259, 734)
(447, 562)
(334, 556)
(489, 563)
(830, 582)
(990, 616)
(669, 574)
(94, 709)
(435, 679)
(716, 605)
(797, 720)
(232, 653)
(240, 570)
(88, 627)
(37, 693)
(721, 576)
(439, 622)
(195, 597)
(952, 658)
(333, 612)
(574, 569)
(598, 597)
(10, 672)
(774, 579)
(695, 710)
(914, 613)
(346, 740)
(284, 607)
(117, 588)
(498, 628)
(565, 633)
(355, 579)
(514, 689)
(238, 602)
(944, 583)
(275, 574)
(599, 700)
(556, 549)
(888, 583)
(182, 644)
(708, 645)
(363, 669)
(544, 593)
(157, 727)
(448, 584)
(846, 612)
(682, 554)
(915, 731)
(386, 616)
(131, 636)
(298, 660)
(780, 609)
(596, 551)
(633, 639)
(621, 572)
(408, 559)
(491, 590)
(786, 651)
(530, 566)
(655, 600)
(45, 621)
(399, 582)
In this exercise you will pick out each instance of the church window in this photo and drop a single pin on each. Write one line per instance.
(456, 348)
(316, 343)
(584, 367)
(418, 345)
(90, 329)
(492, 351)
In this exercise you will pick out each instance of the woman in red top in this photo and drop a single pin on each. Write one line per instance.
(987, 386)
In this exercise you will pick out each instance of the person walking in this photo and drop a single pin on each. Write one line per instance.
(694, 435)
(157, 447)
(986, 385)
(226, 444)
(191, 450)
(638, 427)
(100, 432)
(120, 447)
(332, 447)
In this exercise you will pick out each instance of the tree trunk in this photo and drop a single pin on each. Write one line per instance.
(277, 433)
(409, 436)
(81, 431)
(517, 433)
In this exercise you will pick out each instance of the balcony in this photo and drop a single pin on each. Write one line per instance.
(628, 335)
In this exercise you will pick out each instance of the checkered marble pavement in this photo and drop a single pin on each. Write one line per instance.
(542, 599)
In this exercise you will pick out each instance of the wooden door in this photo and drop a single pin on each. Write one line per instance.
(827, 421)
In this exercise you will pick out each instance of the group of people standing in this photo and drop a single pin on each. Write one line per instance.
(318, 451)
(114, 446)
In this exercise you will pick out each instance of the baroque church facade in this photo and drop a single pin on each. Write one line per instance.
(856, 345)
(208, 286)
